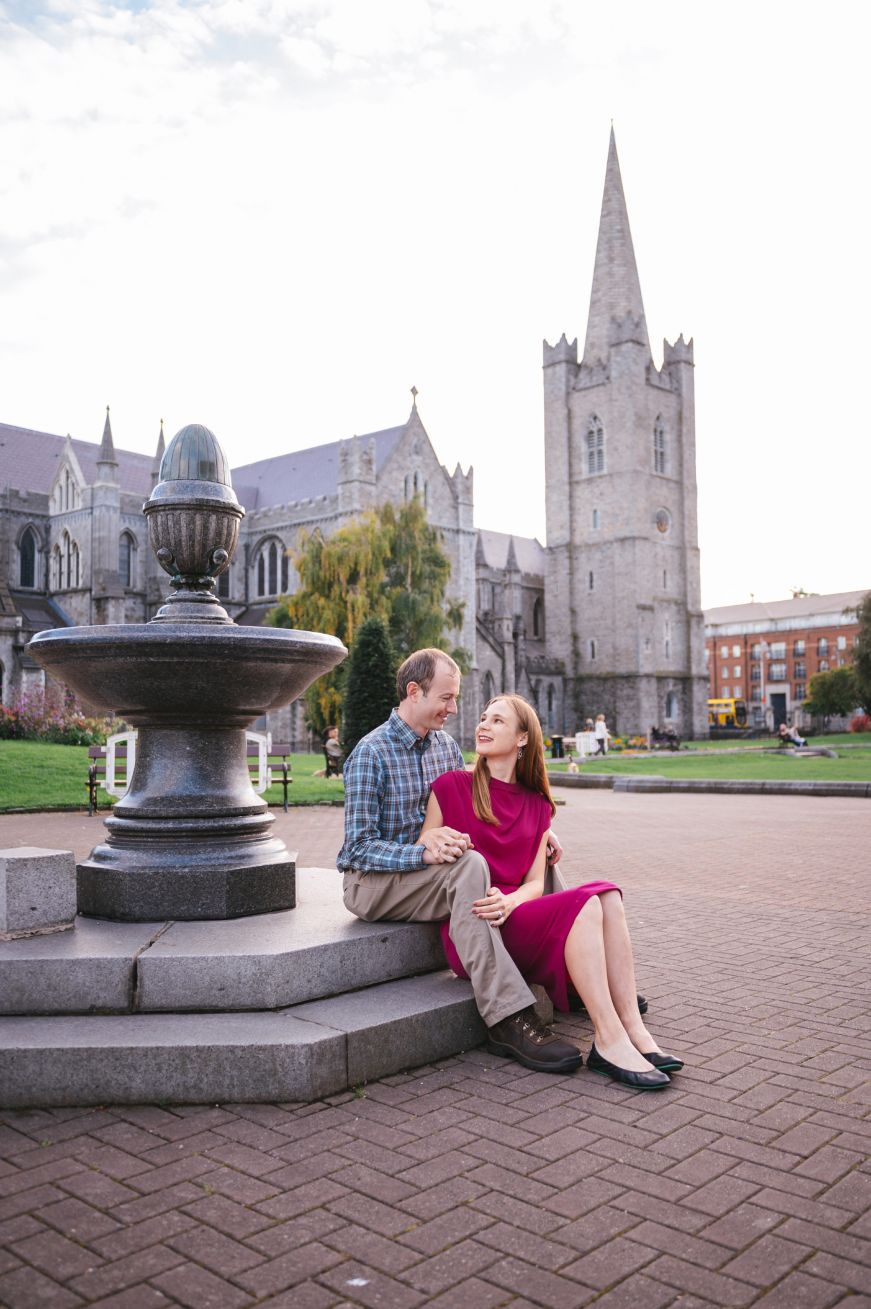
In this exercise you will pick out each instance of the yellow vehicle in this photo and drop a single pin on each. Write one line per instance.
(727, 712)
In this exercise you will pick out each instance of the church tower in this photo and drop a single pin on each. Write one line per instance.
(623, 593)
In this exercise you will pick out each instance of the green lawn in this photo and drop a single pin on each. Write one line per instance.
(38, 776)
(853, 766)
(34, 775)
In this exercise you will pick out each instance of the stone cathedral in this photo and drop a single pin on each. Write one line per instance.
(605, 619)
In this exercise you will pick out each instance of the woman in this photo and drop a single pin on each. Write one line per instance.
(576, 937)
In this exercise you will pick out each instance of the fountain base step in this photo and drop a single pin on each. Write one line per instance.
(300, 1053)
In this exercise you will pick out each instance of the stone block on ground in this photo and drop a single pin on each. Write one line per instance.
(37, 890)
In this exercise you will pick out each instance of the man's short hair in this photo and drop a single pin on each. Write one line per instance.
(420, 667)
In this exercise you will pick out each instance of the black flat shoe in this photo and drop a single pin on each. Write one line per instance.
(666, 1063)
(577, 1006)
(653, 1081)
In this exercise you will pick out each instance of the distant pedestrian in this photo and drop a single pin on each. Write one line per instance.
(603, 736)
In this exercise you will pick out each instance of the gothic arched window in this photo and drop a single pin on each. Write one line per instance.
(658, 446)
(56, 571)
(76, 576)
(538, 617)
(126, 558)
(595, 445)
(671, 705)
(67, 551)
(224, 584)
(273, 568)
(28, 550)
(488, 689)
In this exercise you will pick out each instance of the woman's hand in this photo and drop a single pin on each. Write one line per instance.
(494, 908)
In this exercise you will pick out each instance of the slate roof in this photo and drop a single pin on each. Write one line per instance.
(528, 551)
(803, 606)
(303, 474)
(29, 460)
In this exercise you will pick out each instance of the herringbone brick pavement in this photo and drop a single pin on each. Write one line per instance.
(473, 1183)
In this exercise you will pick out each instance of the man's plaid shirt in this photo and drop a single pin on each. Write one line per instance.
(387, 779)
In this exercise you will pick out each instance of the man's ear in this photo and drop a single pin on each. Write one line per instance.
(412, 690)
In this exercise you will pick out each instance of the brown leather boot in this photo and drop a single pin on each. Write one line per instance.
(524, 1038)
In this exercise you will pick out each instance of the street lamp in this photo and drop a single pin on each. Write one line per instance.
(763, 651)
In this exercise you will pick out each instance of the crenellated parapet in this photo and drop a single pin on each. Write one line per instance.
(595, 374)
(564, 352)
(660, 378)
(630, 328)
(679, 353)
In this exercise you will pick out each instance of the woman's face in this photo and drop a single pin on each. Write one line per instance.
(499, 732)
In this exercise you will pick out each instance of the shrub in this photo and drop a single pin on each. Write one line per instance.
(860, 723)
(52, 714)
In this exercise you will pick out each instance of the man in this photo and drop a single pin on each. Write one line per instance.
(393, 873)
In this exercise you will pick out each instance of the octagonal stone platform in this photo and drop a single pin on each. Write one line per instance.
(286, 1006)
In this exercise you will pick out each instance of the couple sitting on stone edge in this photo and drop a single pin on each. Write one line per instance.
(428, 841)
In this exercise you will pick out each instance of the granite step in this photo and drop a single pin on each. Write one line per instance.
(301, 1052)
(266, 961)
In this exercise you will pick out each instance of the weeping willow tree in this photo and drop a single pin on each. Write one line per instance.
(388, 564)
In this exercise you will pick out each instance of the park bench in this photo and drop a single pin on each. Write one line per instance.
(111, 765)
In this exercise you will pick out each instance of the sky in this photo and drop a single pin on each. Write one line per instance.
(275, 217)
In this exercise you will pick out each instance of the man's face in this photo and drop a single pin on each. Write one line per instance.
(428, 711)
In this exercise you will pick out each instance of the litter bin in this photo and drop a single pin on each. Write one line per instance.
(556, 749)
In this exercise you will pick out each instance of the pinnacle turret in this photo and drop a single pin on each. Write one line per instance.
(159, 452)
(616, 292)
(107, 445)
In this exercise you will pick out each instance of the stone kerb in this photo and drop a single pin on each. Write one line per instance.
(37, 891)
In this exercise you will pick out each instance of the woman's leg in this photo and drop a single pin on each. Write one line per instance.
(620, 966)
(587, 965)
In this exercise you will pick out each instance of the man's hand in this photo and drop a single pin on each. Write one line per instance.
(554, 848)
(443, 845)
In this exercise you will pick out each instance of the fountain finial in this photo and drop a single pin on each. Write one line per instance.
(193, 524)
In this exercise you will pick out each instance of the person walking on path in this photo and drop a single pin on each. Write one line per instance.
(576, 937)
(395, 872)
(603, 736)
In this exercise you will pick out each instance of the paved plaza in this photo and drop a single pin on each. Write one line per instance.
(473, 1183)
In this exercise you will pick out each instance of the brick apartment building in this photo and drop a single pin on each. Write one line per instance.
(766, 654)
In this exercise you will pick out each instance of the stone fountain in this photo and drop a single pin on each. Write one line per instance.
(191, 839)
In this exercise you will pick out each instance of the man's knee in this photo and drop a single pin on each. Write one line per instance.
(472, 870)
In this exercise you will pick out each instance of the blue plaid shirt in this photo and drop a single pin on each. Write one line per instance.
(387, 779)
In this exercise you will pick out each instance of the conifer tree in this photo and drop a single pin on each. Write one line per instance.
(862, 663)
(370, 684)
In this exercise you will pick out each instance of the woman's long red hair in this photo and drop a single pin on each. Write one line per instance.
(531, 770)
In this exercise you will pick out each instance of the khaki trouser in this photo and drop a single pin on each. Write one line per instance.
(439, 891)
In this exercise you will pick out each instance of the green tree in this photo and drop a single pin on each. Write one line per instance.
(862, 659)
(388, 564)
(832, 693)
(370, 684)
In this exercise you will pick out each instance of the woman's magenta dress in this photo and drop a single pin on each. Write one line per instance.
(535, 932)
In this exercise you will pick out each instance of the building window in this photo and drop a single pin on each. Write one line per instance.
(592, 648)
(671, 705)
(756, 650)
(591, 581)
(224, 584)
(822, 646)
(724, 672)
(126, 559)
(269, 562)
(755, 673)
(800, 691)
(736, 670)
(550, 699)
(798, 648)
(736, 651)
(756, 694)
(595, 520)
(28, 550)
(777, 672)
(724, 652)
(777, 650)
(842, 642)
(658, 447)
(55, 576)
(538, 618)
(664, 579)
(738, 691)
(799, 669)
(824, 666)
(726, 692)
(595, 446)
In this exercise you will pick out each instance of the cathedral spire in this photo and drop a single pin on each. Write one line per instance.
(616, 292)
(107, 445)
